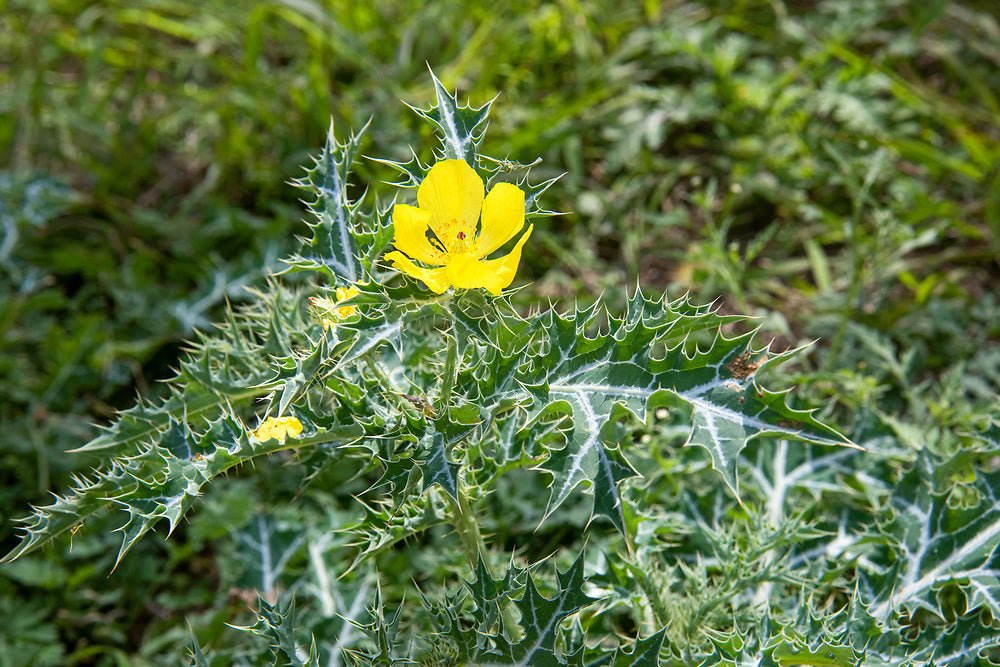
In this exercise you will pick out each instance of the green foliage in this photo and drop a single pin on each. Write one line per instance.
(503, 376)
(831, 169)
(332, 247)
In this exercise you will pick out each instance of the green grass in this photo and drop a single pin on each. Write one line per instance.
(832, 168)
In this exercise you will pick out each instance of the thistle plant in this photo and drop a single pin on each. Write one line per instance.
(467, 426)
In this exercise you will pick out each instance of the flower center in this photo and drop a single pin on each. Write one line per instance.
(456, 238)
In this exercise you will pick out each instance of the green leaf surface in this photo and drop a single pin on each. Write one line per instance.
(966, 641)
(266, 546)
(940, 545)
(586, 367)
(333, 248)
(541, 619)
(461, 128)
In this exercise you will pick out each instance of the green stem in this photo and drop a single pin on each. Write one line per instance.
(656, 604)
(463, 517)
(383, 382)
(475, 549)
(376, 371)
(448, 378)
(467, 529)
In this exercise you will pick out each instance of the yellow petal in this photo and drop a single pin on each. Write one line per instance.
(278, 429)
(453, 193)
(410, 233)
(503, 217)
(344, 293)
(493, 275)
(433, 278)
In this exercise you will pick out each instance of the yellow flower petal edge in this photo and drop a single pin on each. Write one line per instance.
(491, 274)
(278, 428)
(410, 233)
(503, 217)
(433, 278)
(452, 193)
(455, 228)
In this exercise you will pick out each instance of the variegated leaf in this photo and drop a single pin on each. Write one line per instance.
(567, 367)
(940, 545)
(461, 127)
(333, 248)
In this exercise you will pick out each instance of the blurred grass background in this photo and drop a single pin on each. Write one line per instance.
(831, 166)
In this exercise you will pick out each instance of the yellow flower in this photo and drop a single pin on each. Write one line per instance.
(444, 233)
(328, 312)
(278, 428)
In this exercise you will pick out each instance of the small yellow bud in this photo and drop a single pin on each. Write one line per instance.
(328, 312)
(278, 428)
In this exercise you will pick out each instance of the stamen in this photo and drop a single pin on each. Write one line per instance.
(435, 241)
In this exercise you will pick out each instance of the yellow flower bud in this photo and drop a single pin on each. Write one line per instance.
(278, 428)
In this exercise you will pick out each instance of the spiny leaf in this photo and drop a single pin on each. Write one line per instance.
(940, 545)
(296, 373)
(390, 523)
(575, 368)
(197, 655)
(198, 391)
(730, 408)
(373, 234)
(461, 127)
(484, 589)
(613, 469)
(770, 643)
(370, 331)
(156, 484)
(645, 653)
(342, 604)
(383, 315)
(516, 173)
(958, 644)
(382, 632)
(437, 468)
(333, 247)
(225, 371)
(278, 626)
(411, 172)
(541, 619)
(746, 647)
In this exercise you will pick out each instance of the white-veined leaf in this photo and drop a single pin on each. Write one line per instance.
(333, 247)
(461, 127)
(572, 369)
(938, 545)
